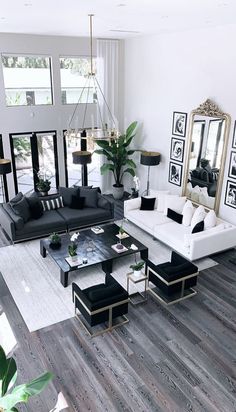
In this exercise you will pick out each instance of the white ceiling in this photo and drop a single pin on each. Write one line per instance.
(141, 17)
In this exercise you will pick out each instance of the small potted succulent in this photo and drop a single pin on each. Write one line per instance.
(72, 250)
(55, 241)
(137, 267)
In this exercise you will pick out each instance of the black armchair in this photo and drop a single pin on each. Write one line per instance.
(173, 280)
(100, 303)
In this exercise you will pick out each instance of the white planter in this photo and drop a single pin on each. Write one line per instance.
(118, 192)
(137, 273)
(74, 258)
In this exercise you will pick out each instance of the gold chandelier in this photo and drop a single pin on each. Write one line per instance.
(104, 130)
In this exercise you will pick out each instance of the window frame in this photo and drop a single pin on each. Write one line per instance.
(4, 178)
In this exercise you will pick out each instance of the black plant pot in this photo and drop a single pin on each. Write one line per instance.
(55, 246)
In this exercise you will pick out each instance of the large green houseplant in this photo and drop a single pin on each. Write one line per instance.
(117, 156)
(9, 396)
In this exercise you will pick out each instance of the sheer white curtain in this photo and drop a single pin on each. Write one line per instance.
(107, 75)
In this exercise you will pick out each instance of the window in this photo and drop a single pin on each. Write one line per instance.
(74, 88)
(27, 80)
(32, 153)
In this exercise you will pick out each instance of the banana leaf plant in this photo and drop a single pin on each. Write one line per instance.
(10, 397)
(117, 155)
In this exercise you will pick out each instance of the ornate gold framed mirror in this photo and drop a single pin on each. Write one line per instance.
(205, 161)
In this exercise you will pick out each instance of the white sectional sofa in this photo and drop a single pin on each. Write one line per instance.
(178, 236)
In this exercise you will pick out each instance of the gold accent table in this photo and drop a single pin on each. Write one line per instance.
(138, 297)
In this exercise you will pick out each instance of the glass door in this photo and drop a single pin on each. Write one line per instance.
(3, 179)
(33, 153)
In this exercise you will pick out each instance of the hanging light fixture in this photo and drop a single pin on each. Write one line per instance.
(105, 129)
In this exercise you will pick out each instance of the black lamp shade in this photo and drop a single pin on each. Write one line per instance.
(82, 157)
(5, 166)
(150, 158)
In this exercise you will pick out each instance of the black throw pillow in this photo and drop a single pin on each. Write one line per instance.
(67, 193)
(199, 227)
(22, 209)
(147, 203)
(77, 202)
(36, 207)
(91, 196)
(177, 217)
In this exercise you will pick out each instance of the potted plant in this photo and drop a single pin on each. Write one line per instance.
(72, 250)
(137, 267)
(11, 395)
(117, 155)
(43, 185)
(55, 240)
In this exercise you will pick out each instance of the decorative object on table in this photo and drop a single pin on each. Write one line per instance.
(90, 246)
(232, 165)
(83, 158)
(230, 194)
(177, 149)
(20, 393)
(179, 124)
(234, 137)
(118, 157)
(72, 250)
(175, 173)
(5, 168)
(149, 159)
(74, 237)
(119, 248)
(137, 267)
(44, 184)
(55, 240)
(97, 230)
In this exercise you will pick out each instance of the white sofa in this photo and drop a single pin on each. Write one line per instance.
(179, 237)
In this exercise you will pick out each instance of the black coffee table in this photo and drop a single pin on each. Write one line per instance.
(102, 253)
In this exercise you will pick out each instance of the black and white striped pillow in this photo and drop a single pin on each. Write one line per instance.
(52, 204)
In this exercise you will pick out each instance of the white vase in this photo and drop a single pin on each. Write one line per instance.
(137, 273)
(74, 258)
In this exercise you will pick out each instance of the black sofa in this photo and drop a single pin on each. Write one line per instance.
(65, 218)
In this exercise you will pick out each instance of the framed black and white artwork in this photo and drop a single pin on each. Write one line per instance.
(232, 165)
(230, 194)
(175, 173)
(234, 137)
(179, 124)
(177, 149)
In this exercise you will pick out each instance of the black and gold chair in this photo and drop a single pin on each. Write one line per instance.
(173, 280)
(101, 303)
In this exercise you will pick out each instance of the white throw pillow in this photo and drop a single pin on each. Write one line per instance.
(156, 194)
(161, 196)
(198, 216)
(187, 213)
(175, 203)
(210, 220)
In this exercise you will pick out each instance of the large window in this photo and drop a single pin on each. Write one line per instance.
(74, 71)
(27, 80)
(32, 153)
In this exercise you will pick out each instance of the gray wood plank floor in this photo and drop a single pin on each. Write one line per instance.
(181, 358)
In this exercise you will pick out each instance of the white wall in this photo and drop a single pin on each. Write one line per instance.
(177, 72)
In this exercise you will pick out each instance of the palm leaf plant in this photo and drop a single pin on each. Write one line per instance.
(10, 397)
(118, 155)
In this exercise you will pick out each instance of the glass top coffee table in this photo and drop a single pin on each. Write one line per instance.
(97, 248)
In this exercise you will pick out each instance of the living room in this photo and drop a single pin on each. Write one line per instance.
(156, 63)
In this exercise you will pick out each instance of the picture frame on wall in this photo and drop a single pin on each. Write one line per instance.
(230, 194)
(232, 165)
(177, 149)
(179, 124)
(175, 173)
(234, 136)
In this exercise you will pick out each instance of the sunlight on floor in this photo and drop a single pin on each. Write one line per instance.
(7, 338)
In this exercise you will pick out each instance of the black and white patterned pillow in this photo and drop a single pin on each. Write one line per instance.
(52, 204)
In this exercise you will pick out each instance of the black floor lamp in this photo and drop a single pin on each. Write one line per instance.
(5, 168)
(149, 159)
(83, 158)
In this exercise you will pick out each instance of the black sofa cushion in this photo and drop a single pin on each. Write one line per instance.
(68, 193)
(21, 208)
(77, 202)
(17, 198)
(18, 221)
(84, 217)
(170, 272)
(50, 222)
(104, 292)
(36, 207)
(90, 195)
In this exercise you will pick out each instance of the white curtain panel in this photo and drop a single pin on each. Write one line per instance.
(107, 75)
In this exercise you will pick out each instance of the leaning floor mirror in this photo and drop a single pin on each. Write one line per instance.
(207, 146)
